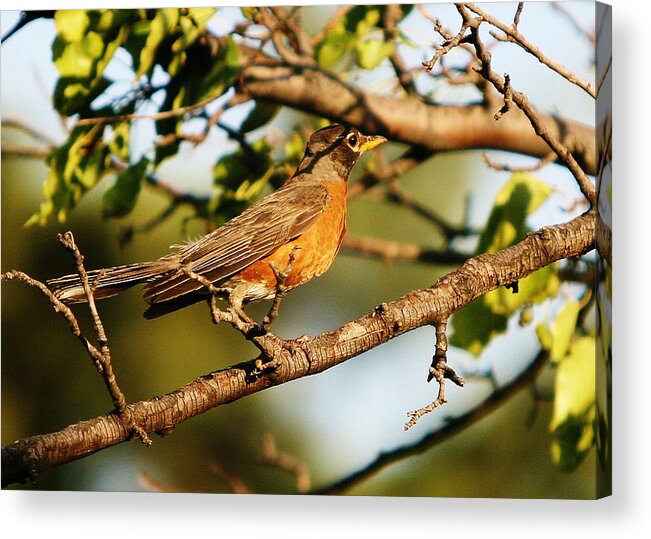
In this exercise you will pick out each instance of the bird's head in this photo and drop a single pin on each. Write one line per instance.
(332, 152)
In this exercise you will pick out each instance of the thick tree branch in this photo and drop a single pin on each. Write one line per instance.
(409, 120)
(25, 458)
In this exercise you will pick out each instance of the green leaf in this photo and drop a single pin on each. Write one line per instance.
(520, 197)
(162, 26)
(74, 168)
(121, 197)
(192, 25)
(239, 178)
(574, 404)
(119, 144)
(262, 113)
(488, 315)
(85, 44)
(71, 24)
(371, 52)
(475, 325)
(333, 47)
(362, 19)
(193, 84)
(558, 337)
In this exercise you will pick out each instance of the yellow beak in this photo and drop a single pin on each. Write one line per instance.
(371, 142)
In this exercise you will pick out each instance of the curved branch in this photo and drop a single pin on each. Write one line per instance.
(410, 120)
(25, 458)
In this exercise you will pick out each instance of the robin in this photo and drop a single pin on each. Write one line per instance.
(298, 227)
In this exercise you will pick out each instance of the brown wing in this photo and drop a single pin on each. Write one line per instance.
(256, 233)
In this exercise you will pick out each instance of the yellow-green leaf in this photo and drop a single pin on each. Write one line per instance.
(574, 404)
(71, 24)
(371, 52)
(162, 25)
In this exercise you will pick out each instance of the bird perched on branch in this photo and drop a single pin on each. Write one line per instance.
(298, 228)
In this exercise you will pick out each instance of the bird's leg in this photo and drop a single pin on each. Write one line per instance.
(281, 289)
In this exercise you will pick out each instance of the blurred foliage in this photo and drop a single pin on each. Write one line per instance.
(476, 324)
(172, 61)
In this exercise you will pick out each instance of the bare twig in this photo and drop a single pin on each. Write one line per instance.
(21, 150)
(450, 42)
(508, 98)
(272, 457)
(17, 122)
(392, 16)
(150, 116)
(550, 158)
(439, 370)
(389, 251)
(521, 100)
(518, 14)
(603, 76)
(232, 480)
(398, 195)
(103, 355)
(512, 35)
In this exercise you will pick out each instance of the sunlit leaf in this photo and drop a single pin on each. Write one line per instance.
(74, 168)
(161, 27)
(371, 52)
(561, 331)
(119, 144)
(475, 325)
(574, 404)
(333, 47)
(520, 197)
(192, 25)
(82, 53)
(487, 316)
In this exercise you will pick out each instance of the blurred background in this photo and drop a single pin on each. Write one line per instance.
(333, 423)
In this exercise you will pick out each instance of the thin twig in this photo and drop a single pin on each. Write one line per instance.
(392, 16)
(103, 356)
(512, 35)
(521, 100)
(398, 195)
(540, 163)
(22, 150)
(150, 116)
(603, 76)
(270, 456)
(389, 251)
(440, 371)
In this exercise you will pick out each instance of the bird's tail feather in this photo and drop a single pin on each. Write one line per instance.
(107, 282)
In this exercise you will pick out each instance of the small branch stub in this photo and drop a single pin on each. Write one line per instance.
(439, 370)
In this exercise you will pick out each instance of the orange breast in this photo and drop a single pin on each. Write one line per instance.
(315, 249)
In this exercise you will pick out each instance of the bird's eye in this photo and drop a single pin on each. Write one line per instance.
(352, 140)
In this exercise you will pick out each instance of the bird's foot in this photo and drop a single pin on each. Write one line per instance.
(275, 352)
